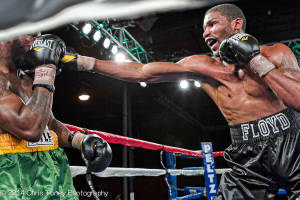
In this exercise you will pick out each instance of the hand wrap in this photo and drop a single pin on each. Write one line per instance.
(260, 65)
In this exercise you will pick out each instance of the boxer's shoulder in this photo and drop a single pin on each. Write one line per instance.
(275, 49)
(197, 60)
(276, 53)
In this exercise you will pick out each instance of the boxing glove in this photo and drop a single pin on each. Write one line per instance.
(69, 61)
(46, 49)
(244, 48)
(239, 47)
(73, 61)
(42, 59)
(96, 153)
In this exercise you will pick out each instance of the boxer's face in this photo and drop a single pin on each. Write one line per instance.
(216, 29)
(20, 46)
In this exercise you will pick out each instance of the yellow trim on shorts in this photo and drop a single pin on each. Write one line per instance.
(11, 144)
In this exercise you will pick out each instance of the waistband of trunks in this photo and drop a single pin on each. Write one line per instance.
(266, 127)
(11, 144)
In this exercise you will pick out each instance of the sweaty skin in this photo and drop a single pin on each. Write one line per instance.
(240, 94)
(24, 112)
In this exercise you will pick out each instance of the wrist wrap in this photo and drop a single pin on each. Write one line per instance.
(260, 65)
(85, 63)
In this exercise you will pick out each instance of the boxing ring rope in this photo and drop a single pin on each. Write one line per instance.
(131, 172)
(117, 139)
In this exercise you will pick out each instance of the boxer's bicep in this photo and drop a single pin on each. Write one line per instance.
(284, 60)
(10, 115)
(289, 65)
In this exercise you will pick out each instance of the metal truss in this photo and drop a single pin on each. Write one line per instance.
(117, 32)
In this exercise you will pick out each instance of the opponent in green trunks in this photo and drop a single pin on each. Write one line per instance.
(34, 170)
(32, 166)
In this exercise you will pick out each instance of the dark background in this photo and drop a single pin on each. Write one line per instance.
(172, 36)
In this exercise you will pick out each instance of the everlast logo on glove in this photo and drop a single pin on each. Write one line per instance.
(38, 48)
(41, 43)
(264, 127)
(244, 38)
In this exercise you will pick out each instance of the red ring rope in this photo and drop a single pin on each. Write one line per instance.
(117, 139)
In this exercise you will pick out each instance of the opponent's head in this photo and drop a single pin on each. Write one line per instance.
(220, 22)
(20, 46)
(5, 49)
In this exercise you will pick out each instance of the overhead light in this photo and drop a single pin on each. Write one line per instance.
(143, 84)
(120, 57)
(114, 50)
(84, 97)
(87, 28)
(97, 35)
(184, 84)
(197, 84)
(106, 43)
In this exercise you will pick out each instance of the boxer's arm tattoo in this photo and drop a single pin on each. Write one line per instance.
(3, 86)
(26, 80)
(38, 102)
(289, 65)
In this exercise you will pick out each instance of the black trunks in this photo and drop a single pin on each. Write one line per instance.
(264, 157)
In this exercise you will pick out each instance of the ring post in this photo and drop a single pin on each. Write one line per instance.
(171, 164)
(209, 170)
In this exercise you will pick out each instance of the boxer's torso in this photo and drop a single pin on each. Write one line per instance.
(241, 95)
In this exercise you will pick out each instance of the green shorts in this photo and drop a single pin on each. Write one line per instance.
(41, 174)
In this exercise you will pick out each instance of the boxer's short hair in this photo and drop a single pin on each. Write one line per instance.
(229, 11)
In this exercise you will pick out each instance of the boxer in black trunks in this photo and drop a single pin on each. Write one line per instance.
(256, 88)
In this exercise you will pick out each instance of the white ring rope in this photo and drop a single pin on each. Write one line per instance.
(130, 172)
(97, 10)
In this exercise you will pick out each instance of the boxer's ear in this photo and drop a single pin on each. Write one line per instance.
(237, 24)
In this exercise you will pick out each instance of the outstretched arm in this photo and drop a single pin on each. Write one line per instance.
(137, 72)
(198, 65)
(189, 67)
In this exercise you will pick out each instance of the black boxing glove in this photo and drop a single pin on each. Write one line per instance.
(239, 47)
(69, 61)
(225, 52)
(96, 153)
(42, 59)
(46, 49)
(244, 48)
(73, 61)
